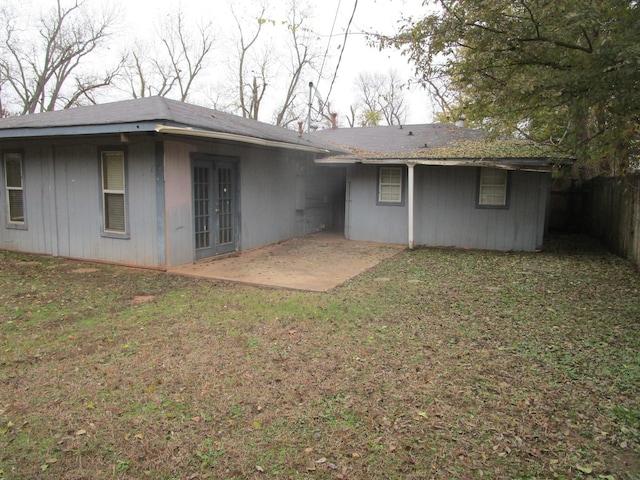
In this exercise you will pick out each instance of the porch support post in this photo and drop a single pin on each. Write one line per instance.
(410, 181)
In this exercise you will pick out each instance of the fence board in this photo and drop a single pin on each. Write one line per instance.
(613, 211)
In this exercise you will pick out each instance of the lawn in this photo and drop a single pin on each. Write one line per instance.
(438, 363)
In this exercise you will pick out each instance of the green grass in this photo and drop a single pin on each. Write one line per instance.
(465, 364)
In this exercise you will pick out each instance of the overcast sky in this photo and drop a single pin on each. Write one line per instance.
(381, 16)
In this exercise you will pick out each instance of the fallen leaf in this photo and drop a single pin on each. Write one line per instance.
(6, 429)
(139, 436)
(259, 469)
(322, 460)
(81, 432)
(584, 469)
(257, 425)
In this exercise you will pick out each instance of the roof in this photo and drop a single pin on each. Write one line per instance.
(436, 144)
(160, 115)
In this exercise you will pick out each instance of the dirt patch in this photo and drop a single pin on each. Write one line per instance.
(85, 270)
(139, 299)
(316, 262)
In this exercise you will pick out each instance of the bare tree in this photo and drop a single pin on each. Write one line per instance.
(250, 92)
(45, 69)
(180, 56)
(380, 98)
(301, 58)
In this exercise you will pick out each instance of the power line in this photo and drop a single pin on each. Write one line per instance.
(326, 52)
(344, 44)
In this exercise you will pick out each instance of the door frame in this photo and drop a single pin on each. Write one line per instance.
(214, 162)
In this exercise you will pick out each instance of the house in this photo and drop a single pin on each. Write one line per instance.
(442, 185)
(158, 183)
(155, 183)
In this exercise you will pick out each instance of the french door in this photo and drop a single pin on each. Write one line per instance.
(214, 205)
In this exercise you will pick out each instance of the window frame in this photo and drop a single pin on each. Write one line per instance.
(507, 189)
(401, 201)
(104, 231)
(14, 224)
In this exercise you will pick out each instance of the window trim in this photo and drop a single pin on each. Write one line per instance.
(507, 192)
(14, 224)
(125, 193)
(403, 181)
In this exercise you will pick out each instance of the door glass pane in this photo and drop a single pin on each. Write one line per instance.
(225, 207)
(201, 206)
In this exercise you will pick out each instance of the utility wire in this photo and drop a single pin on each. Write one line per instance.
(326, 52)
(344, 44)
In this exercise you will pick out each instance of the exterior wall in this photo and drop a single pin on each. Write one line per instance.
(324, 201)
(273, 198)
(281, 195)
(178, 208)
(367, 221)
(445, 212)
(62, 198)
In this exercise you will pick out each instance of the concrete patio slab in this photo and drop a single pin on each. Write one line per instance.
(316, 262)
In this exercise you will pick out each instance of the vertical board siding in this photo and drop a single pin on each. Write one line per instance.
(445, 211)
(324, 198)
(178, 203)
(280, 195)
(268, 198)
(38, 201)
(62, 192)
(367, 220)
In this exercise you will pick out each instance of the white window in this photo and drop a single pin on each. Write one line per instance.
(14, 183)
(492, 189)
(390, 185)
(113, 192)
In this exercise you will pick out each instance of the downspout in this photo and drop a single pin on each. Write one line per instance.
(411, 166)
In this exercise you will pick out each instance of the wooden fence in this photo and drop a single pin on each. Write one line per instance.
(612, 213)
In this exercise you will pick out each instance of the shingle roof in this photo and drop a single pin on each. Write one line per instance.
(396, 139)
(144, 114)
(436, 144)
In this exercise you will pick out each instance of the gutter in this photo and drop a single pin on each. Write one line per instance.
(234, 137)
(531, 165)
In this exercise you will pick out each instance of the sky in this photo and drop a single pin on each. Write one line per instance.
(357, 56)
(383, 16)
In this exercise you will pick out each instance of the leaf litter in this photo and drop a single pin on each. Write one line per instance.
(463, 364)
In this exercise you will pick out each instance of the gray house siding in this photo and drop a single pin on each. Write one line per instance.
(365, 219)
(262, 177)
(273, 198)
(62, 197)
(446, 212)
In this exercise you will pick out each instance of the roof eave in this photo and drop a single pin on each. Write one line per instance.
(233, 137)
(150, 127)
(537, 164)
(73, 130)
